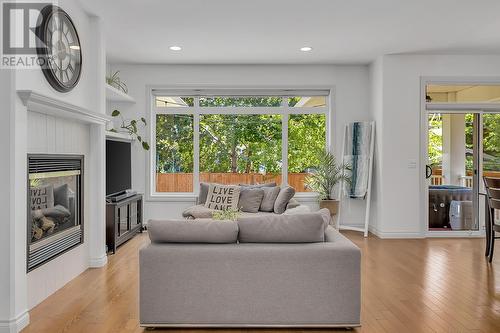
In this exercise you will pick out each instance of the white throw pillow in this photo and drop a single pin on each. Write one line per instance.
(222, 197)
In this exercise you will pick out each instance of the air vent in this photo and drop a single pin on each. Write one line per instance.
(50, 164)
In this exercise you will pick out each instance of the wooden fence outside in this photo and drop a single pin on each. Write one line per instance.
(183, 182)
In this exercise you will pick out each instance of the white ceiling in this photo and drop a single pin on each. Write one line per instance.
(272, 31)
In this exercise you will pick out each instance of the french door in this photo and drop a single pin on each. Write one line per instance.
(461, 136)
(462, 146)
(452, 170)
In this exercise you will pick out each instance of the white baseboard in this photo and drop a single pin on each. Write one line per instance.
(16, 324)
(394, 234)
(456, 234)
(98, 262)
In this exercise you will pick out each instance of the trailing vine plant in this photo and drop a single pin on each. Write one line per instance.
(115, 81)
(131, 127)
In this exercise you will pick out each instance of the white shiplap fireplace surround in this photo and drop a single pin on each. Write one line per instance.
(57, 127)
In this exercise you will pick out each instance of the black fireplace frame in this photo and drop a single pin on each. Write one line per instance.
(80, 206)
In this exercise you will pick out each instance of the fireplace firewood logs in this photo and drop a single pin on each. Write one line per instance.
(41, 225)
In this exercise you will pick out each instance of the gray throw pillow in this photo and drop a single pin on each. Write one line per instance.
(250, 199)
(298, 228)
(192, 231)
(202, 197)
(61, 195)
(270, 195)
(284, 196)
(58, 214)
(292, 203)
(273, 184)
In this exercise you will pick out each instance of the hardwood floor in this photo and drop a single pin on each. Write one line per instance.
(431, 285)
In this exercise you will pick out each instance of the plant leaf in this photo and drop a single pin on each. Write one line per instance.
(143, 120)
(113, 130)
(145, 145)
(115, 113)
(139, 138)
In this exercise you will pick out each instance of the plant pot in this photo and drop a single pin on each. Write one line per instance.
(331, 205)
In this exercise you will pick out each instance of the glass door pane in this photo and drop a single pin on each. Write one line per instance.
(450, 172)
(491, 148)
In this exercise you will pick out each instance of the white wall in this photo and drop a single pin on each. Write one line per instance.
(397, 103)
(31, 133)
(48, 134)
(13, 309)
(376, 110)
(84, 94)
(349, 83)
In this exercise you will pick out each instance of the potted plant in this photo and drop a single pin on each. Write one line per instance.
(325, 178)
(115, 81)
(131, 128)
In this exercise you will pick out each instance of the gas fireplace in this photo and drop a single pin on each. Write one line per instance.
(55, 220)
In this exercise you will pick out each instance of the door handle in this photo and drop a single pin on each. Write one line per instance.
(428, 171)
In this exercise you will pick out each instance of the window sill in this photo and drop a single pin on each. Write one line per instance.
(306, 197)
(172, 197)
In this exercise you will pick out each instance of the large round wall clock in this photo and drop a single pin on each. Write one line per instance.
(59, 48)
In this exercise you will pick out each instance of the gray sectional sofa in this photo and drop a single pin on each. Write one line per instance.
(271, 271)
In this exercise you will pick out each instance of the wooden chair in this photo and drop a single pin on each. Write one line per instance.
(493, 201)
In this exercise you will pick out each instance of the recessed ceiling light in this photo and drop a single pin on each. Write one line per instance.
(175, 48)
(306, 49)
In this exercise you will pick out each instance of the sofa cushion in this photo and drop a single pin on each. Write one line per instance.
(222, 197)
(250, 199)
(284, 196)
(299, 228)
(197, 212)
(192, 231)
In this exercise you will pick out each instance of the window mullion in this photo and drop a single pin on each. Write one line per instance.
(284, 141)
(196, 145)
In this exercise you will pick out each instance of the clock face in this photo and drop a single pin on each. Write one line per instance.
(60, 48)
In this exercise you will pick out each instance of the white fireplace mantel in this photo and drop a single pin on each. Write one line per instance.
(37, 102)
(40, 131)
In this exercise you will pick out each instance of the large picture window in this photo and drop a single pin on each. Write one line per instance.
(233, 139)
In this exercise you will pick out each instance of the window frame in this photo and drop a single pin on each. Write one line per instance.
(284, 110)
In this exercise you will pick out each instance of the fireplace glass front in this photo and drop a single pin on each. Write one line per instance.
(54, 200)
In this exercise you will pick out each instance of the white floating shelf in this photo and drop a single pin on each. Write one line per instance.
(116, 95)
(119, 136)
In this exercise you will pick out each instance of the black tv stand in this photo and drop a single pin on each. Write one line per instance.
(120, 196)
(123, 220)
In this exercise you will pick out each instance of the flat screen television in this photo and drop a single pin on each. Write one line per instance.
(118, 167)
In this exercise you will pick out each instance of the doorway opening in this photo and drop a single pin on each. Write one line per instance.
(462, 144)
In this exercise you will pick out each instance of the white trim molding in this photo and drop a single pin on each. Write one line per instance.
(98, 262)
(37, 102)
(395, 234)
(15, 324)
(197, 111)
